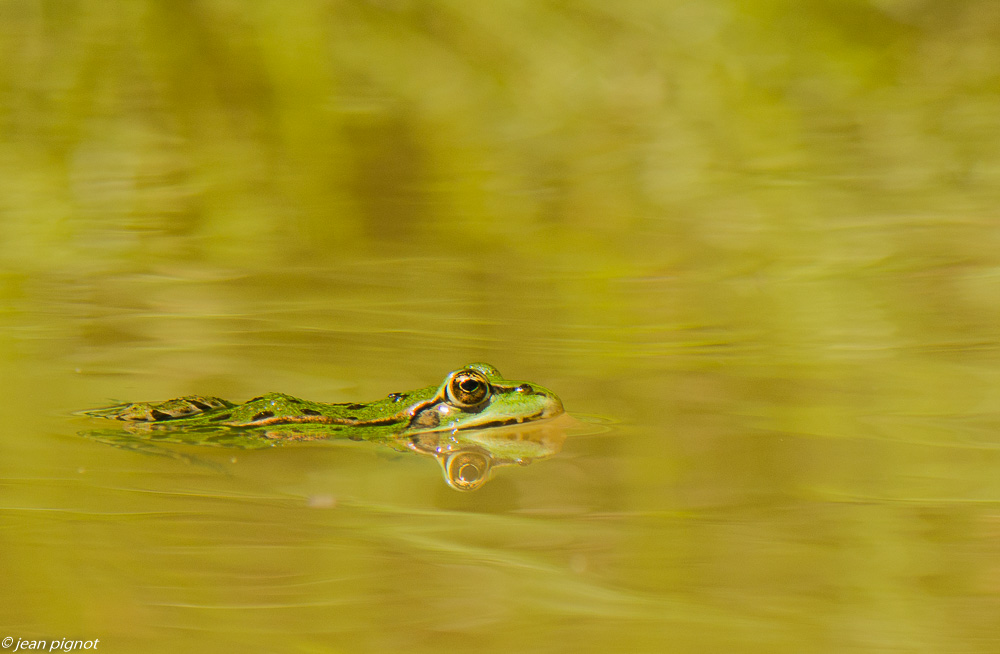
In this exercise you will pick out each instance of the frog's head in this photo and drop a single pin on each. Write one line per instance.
(478, 397)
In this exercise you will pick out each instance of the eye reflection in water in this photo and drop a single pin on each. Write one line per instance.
(467, 459)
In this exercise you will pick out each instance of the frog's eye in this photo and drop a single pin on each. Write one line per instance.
(466, 471)
(468, 388)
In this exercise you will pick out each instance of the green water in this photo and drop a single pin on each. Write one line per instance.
(763, 238)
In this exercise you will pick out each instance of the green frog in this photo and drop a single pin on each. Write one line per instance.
(451, 421)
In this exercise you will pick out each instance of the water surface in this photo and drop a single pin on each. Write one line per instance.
(774, 267)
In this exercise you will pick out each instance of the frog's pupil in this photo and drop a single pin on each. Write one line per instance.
(469, 385)
(468, 472)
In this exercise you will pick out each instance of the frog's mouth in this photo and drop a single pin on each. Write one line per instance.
(511, 406)
(504, 422)
(502, 410)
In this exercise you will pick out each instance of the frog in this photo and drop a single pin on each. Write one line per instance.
(455, 416)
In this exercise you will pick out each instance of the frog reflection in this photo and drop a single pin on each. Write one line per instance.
(468, 458)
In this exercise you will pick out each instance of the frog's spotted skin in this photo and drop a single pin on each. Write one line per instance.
(475, 397)
(181, 407)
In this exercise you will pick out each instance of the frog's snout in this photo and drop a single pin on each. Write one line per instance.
(553, 407)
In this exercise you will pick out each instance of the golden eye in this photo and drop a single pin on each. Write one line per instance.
(468, 388)
(466, 471)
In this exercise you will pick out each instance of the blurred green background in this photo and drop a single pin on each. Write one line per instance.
(764, 237)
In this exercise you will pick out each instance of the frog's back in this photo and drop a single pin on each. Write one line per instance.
(189, 406)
